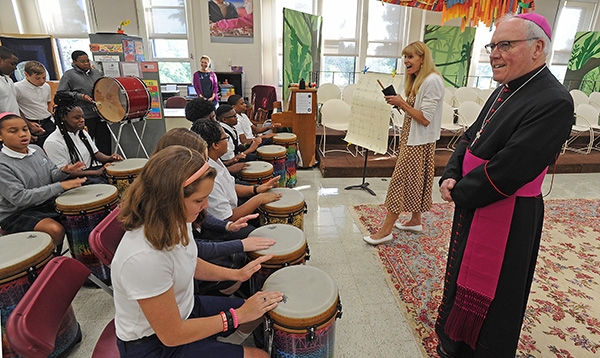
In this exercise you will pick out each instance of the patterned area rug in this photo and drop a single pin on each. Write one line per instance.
(563, 314)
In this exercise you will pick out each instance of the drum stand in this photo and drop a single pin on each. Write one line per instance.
(117, 138)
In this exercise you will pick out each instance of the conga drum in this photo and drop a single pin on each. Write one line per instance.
(121, 174)
(121, 98)
(290, 249)
(290, 209)
(290, 142)
(81, 209)
(303, 324)
(257, 172)
(22, 257)
(274, 154)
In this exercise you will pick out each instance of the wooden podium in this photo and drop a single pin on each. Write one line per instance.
(301, 116)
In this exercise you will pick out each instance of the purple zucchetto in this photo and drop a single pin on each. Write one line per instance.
(538, 20)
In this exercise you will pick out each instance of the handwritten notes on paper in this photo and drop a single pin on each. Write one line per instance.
(370, 114)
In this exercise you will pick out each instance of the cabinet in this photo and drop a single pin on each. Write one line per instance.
(236, 79)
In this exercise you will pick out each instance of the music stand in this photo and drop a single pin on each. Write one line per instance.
(364, 185)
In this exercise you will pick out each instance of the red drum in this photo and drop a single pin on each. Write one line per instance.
(22, 257)
(121, 98)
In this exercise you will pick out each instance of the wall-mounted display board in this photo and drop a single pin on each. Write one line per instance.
(28, 47)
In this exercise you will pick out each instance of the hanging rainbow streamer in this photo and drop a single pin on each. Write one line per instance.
(471, 12)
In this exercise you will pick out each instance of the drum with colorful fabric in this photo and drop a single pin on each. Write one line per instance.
(290, 249)
(290, 209)
(22, 257)
(257, 172)
(121, 174)
(303, 324)
(274, 154)
(290, 142)
(81, 209)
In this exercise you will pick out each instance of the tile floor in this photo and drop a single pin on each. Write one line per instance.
(372, 324)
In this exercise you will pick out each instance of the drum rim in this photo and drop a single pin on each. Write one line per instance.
(299, 325)
(13, 272)
(92, 207)
(257, 175)
(292, 258)
(281, 153)
(110, 170)
(292, 209)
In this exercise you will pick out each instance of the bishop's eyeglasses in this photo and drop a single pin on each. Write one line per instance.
(504, 46)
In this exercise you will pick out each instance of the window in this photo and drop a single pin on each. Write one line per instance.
(166, 26)
(385, 34)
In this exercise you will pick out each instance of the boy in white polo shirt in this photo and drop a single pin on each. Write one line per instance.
(34, 98)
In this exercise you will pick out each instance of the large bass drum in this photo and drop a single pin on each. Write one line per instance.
(121, 98)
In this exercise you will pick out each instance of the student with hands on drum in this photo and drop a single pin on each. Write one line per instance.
(155, 265)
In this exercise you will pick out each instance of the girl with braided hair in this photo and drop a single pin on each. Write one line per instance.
(71, 143)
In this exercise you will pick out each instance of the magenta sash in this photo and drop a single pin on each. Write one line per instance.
(482, 261)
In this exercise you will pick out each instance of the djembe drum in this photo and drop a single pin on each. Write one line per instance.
(290, 142)
(274, 154)
(257, 172)
(290, 209)
(22, 257)
(303, 324)
(290, 249)
(121, 174)
(121, 98)
(81, 209)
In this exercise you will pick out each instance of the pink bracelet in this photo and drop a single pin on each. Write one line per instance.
(235, 320)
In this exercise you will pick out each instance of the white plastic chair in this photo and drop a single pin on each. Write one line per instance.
(468, 112)
(335, 115)
(585, 115)
(484, 94)
(594, 100)
(449, 126)
(348, 92)
(328, 91)
(463, 94)
(397, 119)
(448, 96)
(579, 97)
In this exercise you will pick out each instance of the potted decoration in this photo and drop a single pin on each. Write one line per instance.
(122, 24)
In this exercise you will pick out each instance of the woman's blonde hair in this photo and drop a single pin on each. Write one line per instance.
(188, 139)
(184, 137)
(412, 82)
(155, 200)
(205, 57)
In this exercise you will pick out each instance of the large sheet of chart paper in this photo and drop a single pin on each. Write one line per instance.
(370, 115)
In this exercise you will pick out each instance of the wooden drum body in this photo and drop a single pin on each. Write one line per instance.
(121, 98)
(81, 209)
(257, 172)
(274, 154)
(290, 249)
(290, 209)
(303, 324)
(122, 173)
(290, 142)
(22, 257)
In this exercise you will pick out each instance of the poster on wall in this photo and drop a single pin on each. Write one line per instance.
(34, 48)
(155, 109)
(583, 70)
(231, 21)
(452, 52)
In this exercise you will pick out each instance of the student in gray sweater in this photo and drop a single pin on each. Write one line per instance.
(29, 182)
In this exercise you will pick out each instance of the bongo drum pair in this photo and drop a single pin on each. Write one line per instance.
(303, 324)
(121, 174)
(276, 155)
(81, 209)
(289, 209)
(22, 257)
(290, 248)
(290, 142)
(257, 172)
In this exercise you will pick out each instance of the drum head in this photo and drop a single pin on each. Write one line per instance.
(257, 167)
(22, 250)
(127, 166)
(271, 151)
(308, 291)
(290, 199)
(111, 99)
(86, 197)
(284, 137)
(289, 239)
